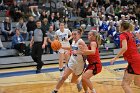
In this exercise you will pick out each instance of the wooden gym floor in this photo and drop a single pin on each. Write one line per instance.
(24, 80)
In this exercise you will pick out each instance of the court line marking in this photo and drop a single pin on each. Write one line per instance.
(28, 72)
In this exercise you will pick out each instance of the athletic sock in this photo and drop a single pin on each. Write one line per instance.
(60, 69)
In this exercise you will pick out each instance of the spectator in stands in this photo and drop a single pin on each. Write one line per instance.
(95, 16)
(7, 29)
(1, 45)
(33, 6)
(117, 10)
(89, 17)
(116, 37)
(80, 4)
(137, 33)
(60, 5)
(58, 19)
(43, 15)
(1, 4)
(111, 30)
(107, 3)
(110, 11)
(52, 18)
(31, 26)
(45, 25)
(24, 8)
(102, 10)
(22, 28)
(15, 11)
(136, 27)
(83, 10)
(50, 35)
(18, 43)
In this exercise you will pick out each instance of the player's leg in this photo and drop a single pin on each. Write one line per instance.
(127, 79)
(86, 81)
(67, 72)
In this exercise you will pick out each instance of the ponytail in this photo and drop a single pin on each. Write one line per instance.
(98, 38)
(80, 31)
(131, 27)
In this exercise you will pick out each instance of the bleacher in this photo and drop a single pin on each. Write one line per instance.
(9, 58)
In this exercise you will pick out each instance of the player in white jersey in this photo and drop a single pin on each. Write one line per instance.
(76, 62)
(64, 35)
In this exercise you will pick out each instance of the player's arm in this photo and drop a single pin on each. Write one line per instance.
(93, 46)
(66, 48)
(122, 50)
(70, 35)
(82, 47)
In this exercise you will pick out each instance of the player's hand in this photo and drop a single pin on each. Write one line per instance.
(74, 52)
(30, 45)
(43, 46)
(81, 47)
(112, 61)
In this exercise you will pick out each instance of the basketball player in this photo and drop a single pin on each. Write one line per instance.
(76, 62)
(131, 55)
(94, 67)
(64, 35)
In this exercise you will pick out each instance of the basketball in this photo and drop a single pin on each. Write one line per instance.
(56, 45)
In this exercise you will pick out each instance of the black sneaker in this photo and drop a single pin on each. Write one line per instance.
(38, 71)
(54, 91)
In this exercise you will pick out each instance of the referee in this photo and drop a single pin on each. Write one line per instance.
(38, 43)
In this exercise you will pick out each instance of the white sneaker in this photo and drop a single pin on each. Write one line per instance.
(38, 14)
(33, 14)
(61, 74)
(93, 91)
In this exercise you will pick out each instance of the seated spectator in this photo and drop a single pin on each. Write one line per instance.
(31, 26)
(89, 17)
(50, 35)
(2, 6)
(22, 28)
(116, 37)
(117, 10)
(111, 30)
(136, 26)
(7, 29)
(82, 10)
(138, 40)
(33, 6)
(110, 11)
(24, 8)
(45, 25)
(18, 43)
(15, 12)
(1, 45)
(43, 15)
(95, 16)
(52, 18)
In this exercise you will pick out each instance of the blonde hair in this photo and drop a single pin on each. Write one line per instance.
(97, 35)
(131, 27)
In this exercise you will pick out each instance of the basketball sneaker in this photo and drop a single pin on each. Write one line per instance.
(93, 91)
(79, 86)
(54, 91)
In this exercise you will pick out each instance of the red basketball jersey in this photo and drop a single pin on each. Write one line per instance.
(131, 54)
(93, 57)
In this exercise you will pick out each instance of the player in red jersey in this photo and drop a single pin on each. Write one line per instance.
(94, 67)
(131, 55)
